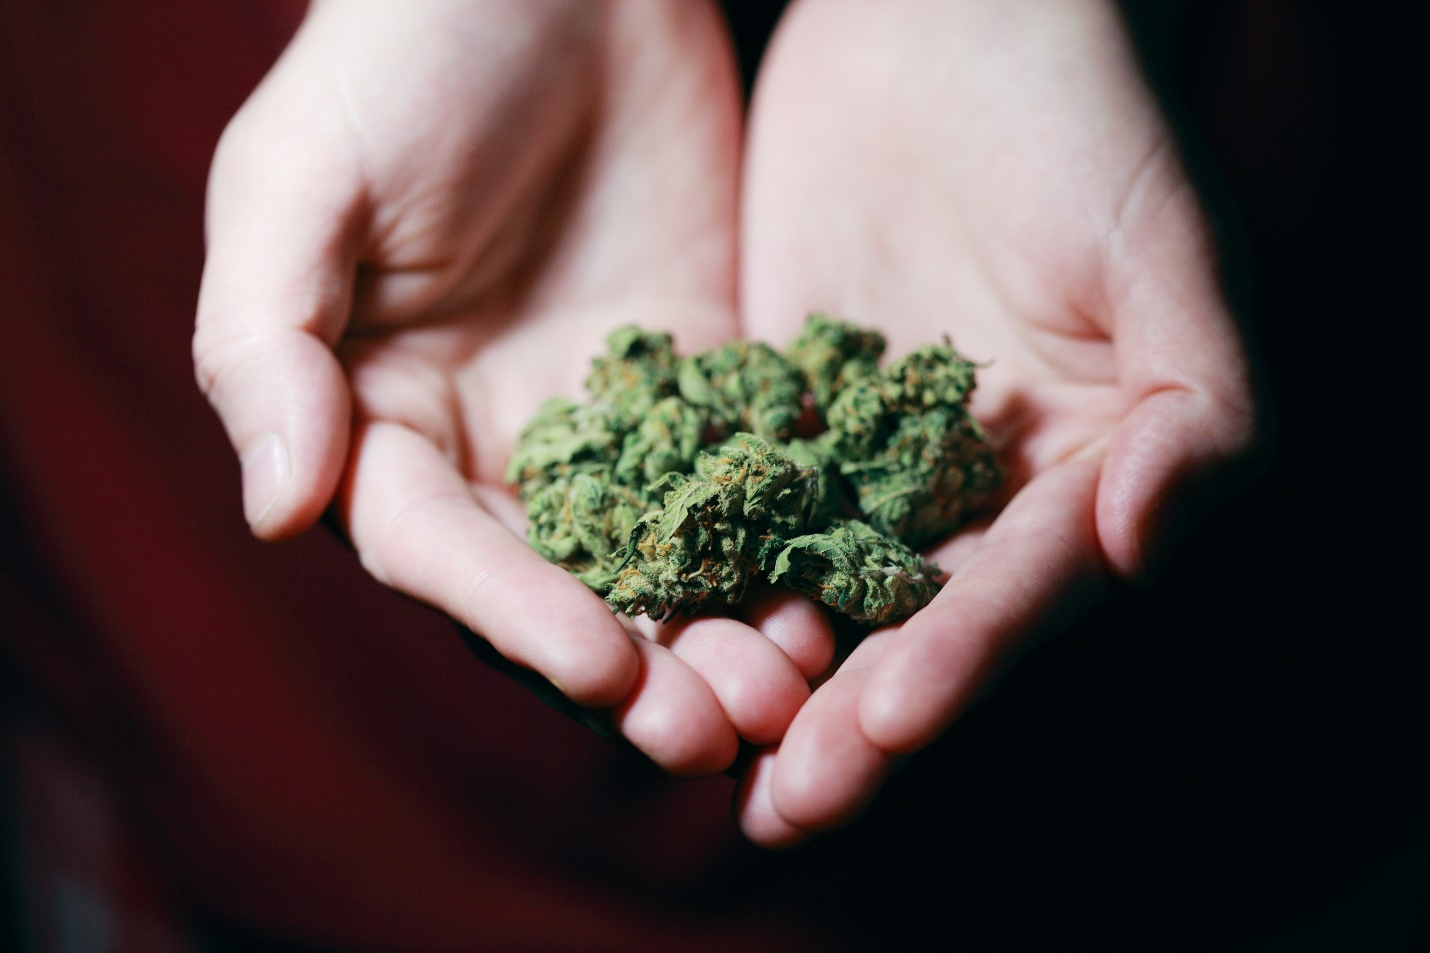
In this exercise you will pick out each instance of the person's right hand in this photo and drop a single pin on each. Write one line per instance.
(420, 226)
(1001, 174)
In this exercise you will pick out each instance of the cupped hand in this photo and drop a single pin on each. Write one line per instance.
(423, 224)
(998, 173)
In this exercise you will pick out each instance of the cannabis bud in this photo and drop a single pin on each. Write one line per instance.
(683, 479)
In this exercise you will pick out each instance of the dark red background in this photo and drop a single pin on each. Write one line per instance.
(1233, 757)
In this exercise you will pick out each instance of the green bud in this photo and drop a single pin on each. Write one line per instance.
(820, 454)
(744, 387)
(564, 437)
(917, 460)
(856, 570)
(932, 470)
(665, 441)
(831, 354)
(715, 531)
(637, 371)
(582, 522)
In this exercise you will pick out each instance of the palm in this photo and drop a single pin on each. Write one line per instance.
(933, 169)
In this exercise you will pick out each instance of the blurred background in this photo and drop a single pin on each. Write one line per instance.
(1231, 758)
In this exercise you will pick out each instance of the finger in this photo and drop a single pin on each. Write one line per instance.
(958, 549)
(800, 628)
(418, 528)
(275, 296)
(672, 715)
(754, 807)
(757, 685)
(1039, 555)
(827, 771)
(674, 718)
(1183, 360)
(507, 509)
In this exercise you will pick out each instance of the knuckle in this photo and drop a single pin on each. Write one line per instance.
(217, 362)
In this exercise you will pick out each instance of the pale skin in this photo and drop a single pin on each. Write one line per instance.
(423, 224)
(427, 217)
(998, 173)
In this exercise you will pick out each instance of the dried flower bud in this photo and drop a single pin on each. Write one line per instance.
(933, 469)
(821, 455)
(561, 439)
(716, 530)
(666, 441)
(858, 571)
(582, 523)
(744, 387)
(915, 457)
(934, 375)
(866, 412)
(637, 371)
(831, 354)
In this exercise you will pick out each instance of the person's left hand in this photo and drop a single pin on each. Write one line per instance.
(421, 225)
(999, 173)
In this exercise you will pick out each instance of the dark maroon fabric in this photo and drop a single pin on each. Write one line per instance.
(308, 753)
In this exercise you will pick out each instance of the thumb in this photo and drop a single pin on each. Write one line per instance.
(275, 297)
(1197, 425)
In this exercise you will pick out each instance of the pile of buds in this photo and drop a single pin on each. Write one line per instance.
(684, 479)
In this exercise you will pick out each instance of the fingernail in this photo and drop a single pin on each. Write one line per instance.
(265, 473)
